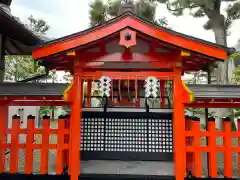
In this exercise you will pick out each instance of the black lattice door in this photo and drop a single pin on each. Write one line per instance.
(127, 136)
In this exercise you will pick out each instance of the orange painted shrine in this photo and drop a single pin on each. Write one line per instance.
(128, 50)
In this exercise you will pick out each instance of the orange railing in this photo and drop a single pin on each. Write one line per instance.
(61, 146)
(206, 141)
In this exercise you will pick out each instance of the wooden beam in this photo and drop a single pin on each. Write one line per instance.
(213, 105)
(129, 75)
(39, 103)
(24, 98)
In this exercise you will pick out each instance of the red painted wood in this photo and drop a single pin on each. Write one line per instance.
(197, 169)
(75, 124)
(238, 129)
(14, 146)
(60, 146)
(212, 149)
(3, 126)
(45, 149)
(29, 146)
(134, 23)
(227, 142)
(179, 128)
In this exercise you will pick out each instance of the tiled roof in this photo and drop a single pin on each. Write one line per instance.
(46, 89)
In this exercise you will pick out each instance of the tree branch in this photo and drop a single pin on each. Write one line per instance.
(217, 5)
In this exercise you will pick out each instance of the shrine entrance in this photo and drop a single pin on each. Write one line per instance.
(141, 132)
(123, 134)
(126, 49)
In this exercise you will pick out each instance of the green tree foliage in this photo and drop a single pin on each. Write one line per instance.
(18, 68)
(37, 25)
(101, 11)
(217, 22)
(22, 67)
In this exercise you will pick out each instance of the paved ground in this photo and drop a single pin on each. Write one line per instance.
(120, 167)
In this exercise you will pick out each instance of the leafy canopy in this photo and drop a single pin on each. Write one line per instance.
(22, 67)
(209, 8)
(101, 11)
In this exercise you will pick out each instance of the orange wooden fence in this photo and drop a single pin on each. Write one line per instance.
(61, 146)
(195, 146)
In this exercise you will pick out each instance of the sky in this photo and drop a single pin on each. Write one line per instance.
(69, 16)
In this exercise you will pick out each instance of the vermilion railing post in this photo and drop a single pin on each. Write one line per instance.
(45, 145)
(60, 145)
(3, 134)
(14, 144)
(70, 147)
(197, 169)
(29, 145)
(189, 155)
(228, 145)
(212, 146)
(66, 141)
(238, 129)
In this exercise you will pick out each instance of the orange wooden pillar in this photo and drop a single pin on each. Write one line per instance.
(3, 126)
(45, 144)
(238, 128)
(212, 145)
(162, 96)
(189, 155)
(179, 127)
(29, 145)
(60, 146)
(66, 141)
(14, 144)
(227, 141)
(75, 123)
(197, 167)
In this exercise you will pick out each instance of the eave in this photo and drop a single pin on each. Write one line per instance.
(129, 20)
(17, 33)
(202, 92)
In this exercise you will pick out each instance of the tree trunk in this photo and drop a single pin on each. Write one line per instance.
(220, 38)
(221, 72)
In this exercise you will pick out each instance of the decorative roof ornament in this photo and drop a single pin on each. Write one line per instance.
(127, 6)
(128, 38)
